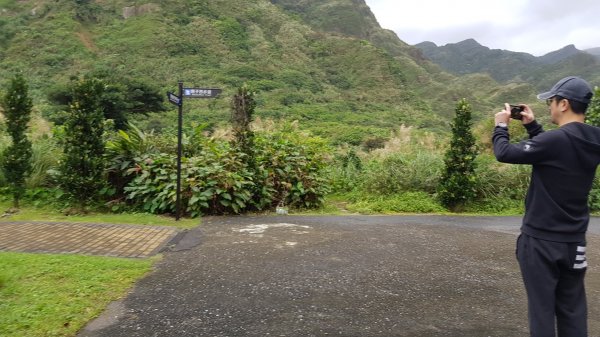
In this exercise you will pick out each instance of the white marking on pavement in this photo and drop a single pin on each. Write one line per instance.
(261, 228)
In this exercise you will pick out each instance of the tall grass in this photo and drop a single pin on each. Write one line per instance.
(404, 175)
(4, 143)
(45, 156)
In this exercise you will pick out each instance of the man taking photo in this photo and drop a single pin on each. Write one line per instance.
(552, 245)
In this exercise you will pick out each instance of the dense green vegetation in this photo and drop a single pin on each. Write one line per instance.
(333, 95)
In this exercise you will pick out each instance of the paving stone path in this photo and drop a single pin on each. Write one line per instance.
(132, 241)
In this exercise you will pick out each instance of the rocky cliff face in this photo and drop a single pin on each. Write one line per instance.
(131, 11)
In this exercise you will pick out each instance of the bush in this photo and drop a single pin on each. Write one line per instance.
(16, 158)
(215, 183)
(217, 178)
(82, 169)
(291, 169)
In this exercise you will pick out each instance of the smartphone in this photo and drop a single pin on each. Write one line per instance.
(515, 111)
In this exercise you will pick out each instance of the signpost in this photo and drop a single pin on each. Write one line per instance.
(178, 100)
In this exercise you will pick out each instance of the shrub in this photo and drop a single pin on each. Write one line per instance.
(82, 169)
(291, 169)
(217, 178)
(16, 158)
(121, 153)
(216, 182)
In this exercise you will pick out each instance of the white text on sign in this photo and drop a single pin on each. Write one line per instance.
(199, 92)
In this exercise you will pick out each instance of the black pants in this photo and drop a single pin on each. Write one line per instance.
(553, 273)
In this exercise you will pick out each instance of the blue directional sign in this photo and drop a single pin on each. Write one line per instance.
(201, 92)
(174, 98)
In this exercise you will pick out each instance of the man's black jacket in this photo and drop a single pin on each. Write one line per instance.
(564, 164)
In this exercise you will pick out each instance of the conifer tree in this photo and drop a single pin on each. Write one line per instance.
(457, 185)
(16, 159)
(82, 168)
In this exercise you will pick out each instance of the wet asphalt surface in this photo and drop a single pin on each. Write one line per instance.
(346, 276)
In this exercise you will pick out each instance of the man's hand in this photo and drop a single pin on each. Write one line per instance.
(504, 115)
(527, 114)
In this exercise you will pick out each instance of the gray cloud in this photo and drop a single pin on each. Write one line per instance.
(537, 26)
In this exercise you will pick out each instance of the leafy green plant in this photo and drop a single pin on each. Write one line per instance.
(215, 182)
(121, 151)
(217, 178)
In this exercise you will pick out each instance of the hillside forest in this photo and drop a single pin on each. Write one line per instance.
(321, 109)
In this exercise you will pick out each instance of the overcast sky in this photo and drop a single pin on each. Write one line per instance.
(532, 26)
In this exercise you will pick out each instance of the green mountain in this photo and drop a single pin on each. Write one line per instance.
(327, 64)
(469, 57)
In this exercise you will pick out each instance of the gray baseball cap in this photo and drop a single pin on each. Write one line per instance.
(571, 87)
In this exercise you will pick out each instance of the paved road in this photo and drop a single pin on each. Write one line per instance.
(351, 276)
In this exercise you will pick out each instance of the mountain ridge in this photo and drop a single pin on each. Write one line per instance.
(469, 56)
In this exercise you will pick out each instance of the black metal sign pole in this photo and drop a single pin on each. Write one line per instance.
(178, 100)
(179, 150)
